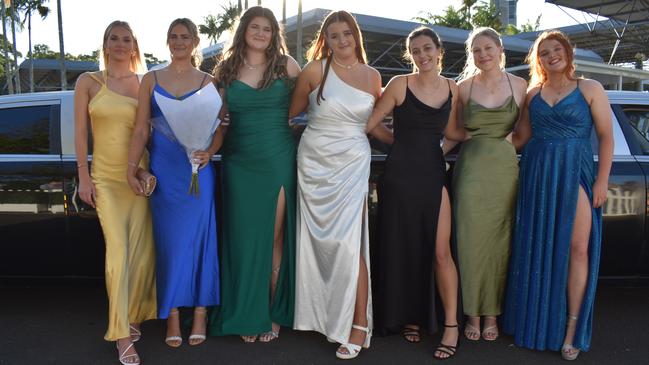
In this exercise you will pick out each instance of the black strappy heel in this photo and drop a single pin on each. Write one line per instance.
(447, 349)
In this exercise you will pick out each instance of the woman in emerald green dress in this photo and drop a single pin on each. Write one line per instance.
(259, 177)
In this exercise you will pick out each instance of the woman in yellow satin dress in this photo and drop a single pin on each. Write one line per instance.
(108, 100)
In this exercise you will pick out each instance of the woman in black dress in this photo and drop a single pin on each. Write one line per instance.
(415, 215)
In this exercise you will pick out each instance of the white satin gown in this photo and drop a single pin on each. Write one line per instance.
(333, 167)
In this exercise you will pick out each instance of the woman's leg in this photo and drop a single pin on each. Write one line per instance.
(356, 336)
(278, 243)
(446, 274)
(199, 326)
(173, 328)
(578, 267)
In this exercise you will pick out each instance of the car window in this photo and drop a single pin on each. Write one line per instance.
(638, 118)
(29, 129)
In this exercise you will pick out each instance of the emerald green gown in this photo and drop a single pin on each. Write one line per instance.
(258, 160)
(484, 195)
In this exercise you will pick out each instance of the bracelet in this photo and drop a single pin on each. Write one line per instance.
(132, 164)
(81, 165)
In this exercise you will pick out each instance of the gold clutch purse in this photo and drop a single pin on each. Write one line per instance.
(147, 180)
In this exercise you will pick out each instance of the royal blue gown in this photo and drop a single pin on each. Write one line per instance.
(184, 225)
(556, 161)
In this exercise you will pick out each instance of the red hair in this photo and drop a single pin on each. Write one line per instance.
(538, 75)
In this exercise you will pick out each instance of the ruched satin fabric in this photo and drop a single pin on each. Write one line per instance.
(333, 170)
(555, 163)
(124, 217)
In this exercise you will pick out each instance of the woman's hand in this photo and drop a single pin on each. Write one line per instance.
(600, 188)
(201, 157)
(135, 183)
(87, 191)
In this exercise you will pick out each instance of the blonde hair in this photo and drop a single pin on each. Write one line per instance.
(137, 64)
(196, 57)
(537, 73)
(470, 68)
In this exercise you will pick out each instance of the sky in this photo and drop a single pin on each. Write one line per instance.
(84, 21)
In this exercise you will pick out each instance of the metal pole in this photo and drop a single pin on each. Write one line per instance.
(619, 83)
(298, 41)
(284, 12)
(10, 84)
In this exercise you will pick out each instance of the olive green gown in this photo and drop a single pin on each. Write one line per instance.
(258, 161)
(484, 195)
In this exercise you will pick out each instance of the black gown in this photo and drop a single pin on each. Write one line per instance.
(409, 199)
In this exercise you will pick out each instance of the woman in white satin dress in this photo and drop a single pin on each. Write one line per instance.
(333, 164)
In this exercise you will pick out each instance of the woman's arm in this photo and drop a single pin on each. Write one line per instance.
(383, 108)
(523, 129)
(303, 87)
(601, 112)
(454, 129)
(140, 133)
(87, 191)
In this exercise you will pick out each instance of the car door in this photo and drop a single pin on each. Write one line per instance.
(32, 206)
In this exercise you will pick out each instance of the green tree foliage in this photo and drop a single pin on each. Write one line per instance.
(43, 51)
(216, 25)
(150, 59)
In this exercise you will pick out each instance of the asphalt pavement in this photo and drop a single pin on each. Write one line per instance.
(64, 323)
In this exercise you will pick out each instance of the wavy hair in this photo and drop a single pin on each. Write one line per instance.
(470, 68)
(196, 57)
(136, 64)
(235, 53)
(320, 50)
(427, 32)
(538, 75)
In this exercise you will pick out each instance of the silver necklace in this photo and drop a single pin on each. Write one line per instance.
(252, 67)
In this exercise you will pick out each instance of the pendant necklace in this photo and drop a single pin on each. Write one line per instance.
(347, 67)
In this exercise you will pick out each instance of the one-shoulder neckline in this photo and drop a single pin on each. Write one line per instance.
(184, 96)
(558, 102)
(350, 86)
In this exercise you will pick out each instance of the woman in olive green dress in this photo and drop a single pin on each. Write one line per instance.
(485, 179)
(259, 177)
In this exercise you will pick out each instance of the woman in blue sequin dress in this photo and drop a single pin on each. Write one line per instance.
(557, 238)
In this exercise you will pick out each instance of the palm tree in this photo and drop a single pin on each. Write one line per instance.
(64, 80)
(13, 15)
(29, 6)
(5, 47)
(216, 25)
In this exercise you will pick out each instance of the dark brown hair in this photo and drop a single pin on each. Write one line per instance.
(424, 31)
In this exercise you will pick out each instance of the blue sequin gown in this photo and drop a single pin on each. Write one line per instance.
(184, 225)
(555, 162)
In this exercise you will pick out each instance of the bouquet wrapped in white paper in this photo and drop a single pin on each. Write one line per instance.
(190, 122)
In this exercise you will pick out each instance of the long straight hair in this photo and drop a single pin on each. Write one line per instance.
(320, 50)
(136, 63)
(235, 53)
(538, 76)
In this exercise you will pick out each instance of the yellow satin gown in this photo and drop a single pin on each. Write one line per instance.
(125, 218)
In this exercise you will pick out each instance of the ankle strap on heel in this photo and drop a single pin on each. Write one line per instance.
(450, 325)
(361, 328)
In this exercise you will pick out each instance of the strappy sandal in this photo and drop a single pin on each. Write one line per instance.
(249, 339)
(490, 333)
(198, 338)
(123, 356)
(135, 333)
(471, 332)
(268, 336)
(174, 341)
(446, 349)
(352, 349)
(568, 351)
(411, 334)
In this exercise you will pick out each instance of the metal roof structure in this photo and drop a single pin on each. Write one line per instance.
(385, 38)
(47, 75)
(618, 38)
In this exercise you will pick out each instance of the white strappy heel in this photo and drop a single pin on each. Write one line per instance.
(352, 349)
(123, 356)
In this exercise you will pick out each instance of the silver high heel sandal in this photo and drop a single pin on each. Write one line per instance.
(568, 351)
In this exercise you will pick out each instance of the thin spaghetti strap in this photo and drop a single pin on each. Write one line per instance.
(471, 86)
(155, 76)
(450, 93)
(96, 78)
(510, 83)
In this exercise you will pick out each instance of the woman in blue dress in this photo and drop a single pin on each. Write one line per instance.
(557, 238)
(180, 100)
